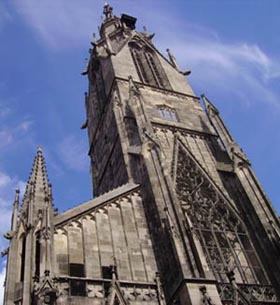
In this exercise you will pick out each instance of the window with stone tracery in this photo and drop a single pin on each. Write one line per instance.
(167, 113)
(216, 224)
(148, 65)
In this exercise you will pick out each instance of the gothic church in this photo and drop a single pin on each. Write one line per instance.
(178, 216)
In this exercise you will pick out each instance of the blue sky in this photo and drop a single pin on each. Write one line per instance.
(232, 48)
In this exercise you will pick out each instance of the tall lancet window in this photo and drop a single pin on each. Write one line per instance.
(148, 65)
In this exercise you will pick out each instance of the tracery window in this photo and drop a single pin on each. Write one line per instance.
(148, 65)
(215, 223)
(167, 113)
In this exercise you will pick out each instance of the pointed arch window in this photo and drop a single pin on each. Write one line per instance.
(148, 65)
(216, 225)
(167, 113)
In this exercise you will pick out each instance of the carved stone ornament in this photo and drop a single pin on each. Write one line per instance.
(115, 296)
(205, 299)
(9, 234)
(45, 293)
(5, 252)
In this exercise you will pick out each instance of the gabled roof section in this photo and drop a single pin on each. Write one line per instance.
(95, 203)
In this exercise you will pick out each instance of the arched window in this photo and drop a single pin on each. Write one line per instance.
(167, 113)
(148, 65)
(216, 224)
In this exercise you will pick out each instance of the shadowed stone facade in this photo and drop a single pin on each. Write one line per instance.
(178, 215)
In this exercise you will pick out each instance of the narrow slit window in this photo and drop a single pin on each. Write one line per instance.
(22, 268)
(37, 255)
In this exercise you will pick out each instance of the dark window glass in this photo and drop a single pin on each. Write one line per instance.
(22, 259)
(106, 272)
(78, 287)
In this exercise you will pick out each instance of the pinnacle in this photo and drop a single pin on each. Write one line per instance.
(208, 104)
(39, 149)
(38, 182)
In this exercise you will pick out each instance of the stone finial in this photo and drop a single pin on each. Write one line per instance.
(159, 289)
(39, 149)
(108, 11)
(85, 71)
(5, 252)
(17, 197)
(132, 87)
(210, 108)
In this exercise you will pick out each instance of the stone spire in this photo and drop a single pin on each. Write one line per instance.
(38, 188)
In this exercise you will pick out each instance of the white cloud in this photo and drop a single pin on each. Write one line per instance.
(58, 24)
(4, 180)
(12, 134)
(4, 111)
(245, 67)
(6, 138)
(2, 280)
(73, 153)
(240, 68)
(24, 126)
(5, 16)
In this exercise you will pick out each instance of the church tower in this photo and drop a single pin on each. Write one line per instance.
(178, 216)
